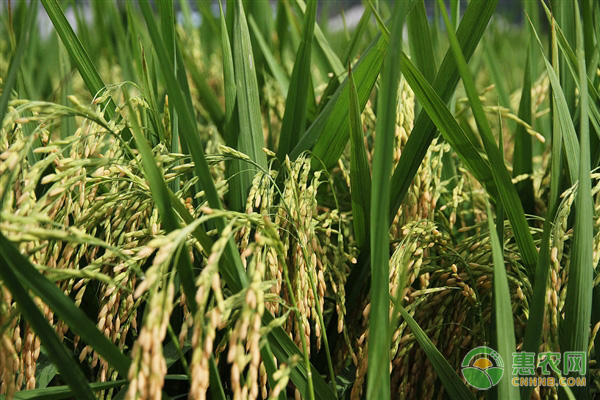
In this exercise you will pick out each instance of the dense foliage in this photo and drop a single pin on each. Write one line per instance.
(248, 202)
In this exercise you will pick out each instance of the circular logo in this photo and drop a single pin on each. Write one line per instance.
(482, 368)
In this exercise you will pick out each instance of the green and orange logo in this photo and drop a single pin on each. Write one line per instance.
(482, 368)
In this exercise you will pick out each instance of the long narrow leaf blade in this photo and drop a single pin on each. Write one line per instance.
(233, 272)
(325, 50)
(160, 194)
(421, 45)
(564, 117)
(357, 36)
(206, 95)
(470, 31)
(329, 132)
(80, 57)
(505, 330)
(235, 275)
(283, 348)
(62, 392)
(250, 137)
(378, 379)
(276, 70)
(55, 349)
(535, 323)
(506, 190)
(64, 307)
(578, 302)
(294, 117)
(360, 174)
(232, 167)
(15, 61)
(445, 122)
(523, 153)
(453, 385)
(573, 64)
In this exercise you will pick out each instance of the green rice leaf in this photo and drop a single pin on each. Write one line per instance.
(167, 24)
(15, 62)
(506, 190)
(523, 153)
(64, 307)
(294, 117)
(206, 96)
(87, 39)
(55, 349)
(149, 92)
(137, 36)
(250, 139)
(182, 76)
(596, 319)
(207, 16)
(535, 323)
(537, 308)
(80, 57)
(325, 50)
(445, 122)
(67, 125)
(62, 392)
(329, 132)
(262, 13)
(378, 378)
(470, 31)
(499, 207)
(232, 167)
(288, 30)
(573, 64)
(45, 371)
(578, 303)
(498, 78)
(380, 23)
(228, 71)
(283, 348)
(505, 330)
(473, 24)
(24, 88)
(276, 70)
(216, 386)
(360, 174)
(453, 384)
(357, 36)
(270, 367)
(564, 117)
(235, 277)
(565, 16)
(421, 45)
(167, 19)
(160, 194)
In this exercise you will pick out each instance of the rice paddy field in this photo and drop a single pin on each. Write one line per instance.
(247, 201)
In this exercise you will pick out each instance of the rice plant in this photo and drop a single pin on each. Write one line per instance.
(248, 200)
